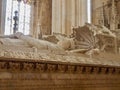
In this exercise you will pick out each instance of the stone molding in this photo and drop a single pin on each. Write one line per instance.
(15, 65)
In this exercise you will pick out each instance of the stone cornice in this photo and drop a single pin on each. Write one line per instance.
(21, 65)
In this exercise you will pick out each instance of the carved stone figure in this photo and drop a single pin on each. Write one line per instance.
(89, 39)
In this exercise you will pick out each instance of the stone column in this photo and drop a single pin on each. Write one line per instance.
(113, 16)
(68, 17)
(35, 17)
(77, 13)
(67, 14)
(2, 15)
(63, 23)
(73, 14)
(46, 16)
(42, 14)
(32, 19)
(84, 15)
(56, 15)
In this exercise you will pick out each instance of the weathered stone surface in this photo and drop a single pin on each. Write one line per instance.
(42, 14)
(46, 17)
(29, 74)
(51, 81)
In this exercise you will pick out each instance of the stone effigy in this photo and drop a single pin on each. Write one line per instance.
(25, 47)
(21, 46)
(40, 44)
(89, 39)
(28, 63)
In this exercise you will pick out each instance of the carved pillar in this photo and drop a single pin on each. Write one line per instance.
(68, 13)
(32, 19)
(2, 15)
(57, 8)
(35, 20)
(113, 16)
(46, 16)
(73, 12)
(77, 8)
(63, 23)
(42, 13)
(68, 18)
(83, 12)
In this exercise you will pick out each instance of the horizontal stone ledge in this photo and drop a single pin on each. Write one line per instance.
(53, 62)
(56, 67)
